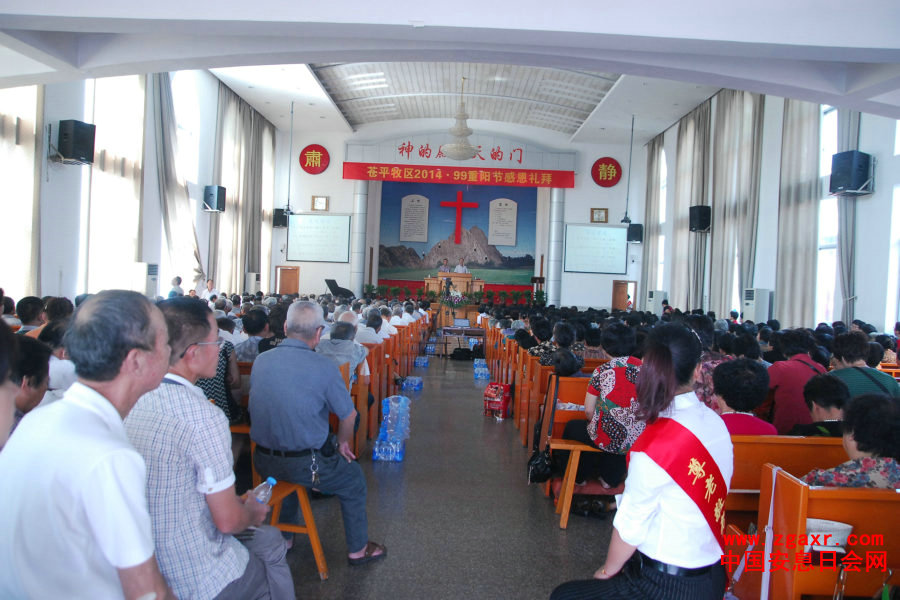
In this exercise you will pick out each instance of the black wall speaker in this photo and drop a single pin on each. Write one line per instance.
(76, 141)
(635, 233)
(700, 218)
(849, 172)
(214, 198)
(279, 218)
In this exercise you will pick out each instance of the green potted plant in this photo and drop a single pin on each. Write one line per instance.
(540, 298)
(503, 295)
(395, 292)
(432, 295)
(516, 296)
(368, 290)
(477, 296)
(489, 295)
(382, 290)
(407, 293)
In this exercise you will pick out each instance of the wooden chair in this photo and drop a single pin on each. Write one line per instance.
(280, 492)
(571, 390)
(796, 455)
(377, 381)
(867, 510)
(540, 375)
(244, 368)
(359, 393)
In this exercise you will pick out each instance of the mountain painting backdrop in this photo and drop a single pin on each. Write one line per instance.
(495, 264)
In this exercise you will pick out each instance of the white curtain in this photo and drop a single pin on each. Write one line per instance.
(848, 139)
(798, 215)
(175, 206)
(651, 219)
(691, 174)
(737, 149)
(244, 157)
(21, 111)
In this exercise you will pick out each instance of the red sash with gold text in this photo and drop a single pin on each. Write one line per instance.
(686, 460)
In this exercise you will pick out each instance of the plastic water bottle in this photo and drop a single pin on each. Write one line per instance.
(263, 491)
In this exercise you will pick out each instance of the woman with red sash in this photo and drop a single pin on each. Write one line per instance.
(667, 534)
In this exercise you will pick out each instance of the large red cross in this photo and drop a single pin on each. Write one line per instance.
(459, 205)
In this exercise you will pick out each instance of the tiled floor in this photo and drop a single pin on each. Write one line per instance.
(456, 515)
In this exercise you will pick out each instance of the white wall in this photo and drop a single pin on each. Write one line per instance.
(303, 187)
(584, 289)
(873, 225)
(63, 196)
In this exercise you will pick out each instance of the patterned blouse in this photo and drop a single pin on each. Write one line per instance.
(217, 388)
(704, 384)
(873, 472)
(614, 426)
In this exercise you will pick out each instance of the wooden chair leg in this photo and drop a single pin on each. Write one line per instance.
(283, 490)
(564, 502)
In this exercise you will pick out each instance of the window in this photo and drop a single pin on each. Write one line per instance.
(661, 258)
(826, 263)
(114, 212)
(18, 142)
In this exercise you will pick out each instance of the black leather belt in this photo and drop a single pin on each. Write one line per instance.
(651, 563)
(284, 453)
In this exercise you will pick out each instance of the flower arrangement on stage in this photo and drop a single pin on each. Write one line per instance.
(455, 300)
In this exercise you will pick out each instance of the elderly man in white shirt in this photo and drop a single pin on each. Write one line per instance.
(461, 267)
(75, 522)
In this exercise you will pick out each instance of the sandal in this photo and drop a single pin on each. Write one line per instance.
(370, 555)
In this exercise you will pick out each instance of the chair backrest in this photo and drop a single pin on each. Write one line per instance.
(871, 512)
(796, 455)
(572, 390)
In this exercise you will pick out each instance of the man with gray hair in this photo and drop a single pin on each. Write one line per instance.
(75, 522)
(292, 391)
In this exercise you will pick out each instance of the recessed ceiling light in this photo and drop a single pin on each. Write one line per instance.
(322, 117)
(251, 86)
(311, 103)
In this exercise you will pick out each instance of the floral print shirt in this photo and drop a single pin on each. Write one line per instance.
(614, 426)
(704, 384)
(873, 472)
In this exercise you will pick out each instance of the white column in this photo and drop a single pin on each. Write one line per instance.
(555, 245)
(358, 236)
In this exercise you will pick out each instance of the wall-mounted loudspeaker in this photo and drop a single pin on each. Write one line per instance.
(700, 218)
(279, 218)
(214, 198)
(850, 174)
(635, 233)
(76, 141)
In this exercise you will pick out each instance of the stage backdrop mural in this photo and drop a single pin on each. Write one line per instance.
(494, 233)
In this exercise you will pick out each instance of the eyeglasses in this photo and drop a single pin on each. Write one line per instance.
(218, 343)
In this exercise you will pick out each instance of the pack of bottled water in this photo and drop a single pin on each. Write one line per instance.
(430, 348)
(391, 442)
(482, 373)
(473, 342)
(432, 340)
(480, 362)
(421, 361)
(412, 382)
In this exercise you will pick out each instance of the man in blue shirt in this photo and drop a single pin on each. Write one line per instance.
(292, 391)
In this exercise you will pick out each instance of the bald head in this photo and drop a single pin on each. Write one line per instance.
(304, 319)
(348, 317)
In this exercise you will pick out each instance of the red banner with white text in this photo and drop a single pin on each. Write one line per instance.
(465, 175)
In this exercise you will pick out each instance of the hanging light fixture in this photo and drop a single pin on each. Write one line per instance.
(460, 148)
(626, 218)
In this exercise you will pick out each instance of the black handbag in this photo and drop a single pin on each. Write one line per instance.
(540, 465)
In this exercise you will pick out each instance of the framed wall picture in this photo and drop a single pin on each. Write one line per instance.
(599, 215)
(321, 203)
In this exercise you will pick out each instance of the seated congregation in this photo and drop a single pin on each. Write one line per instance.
(670, 420)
